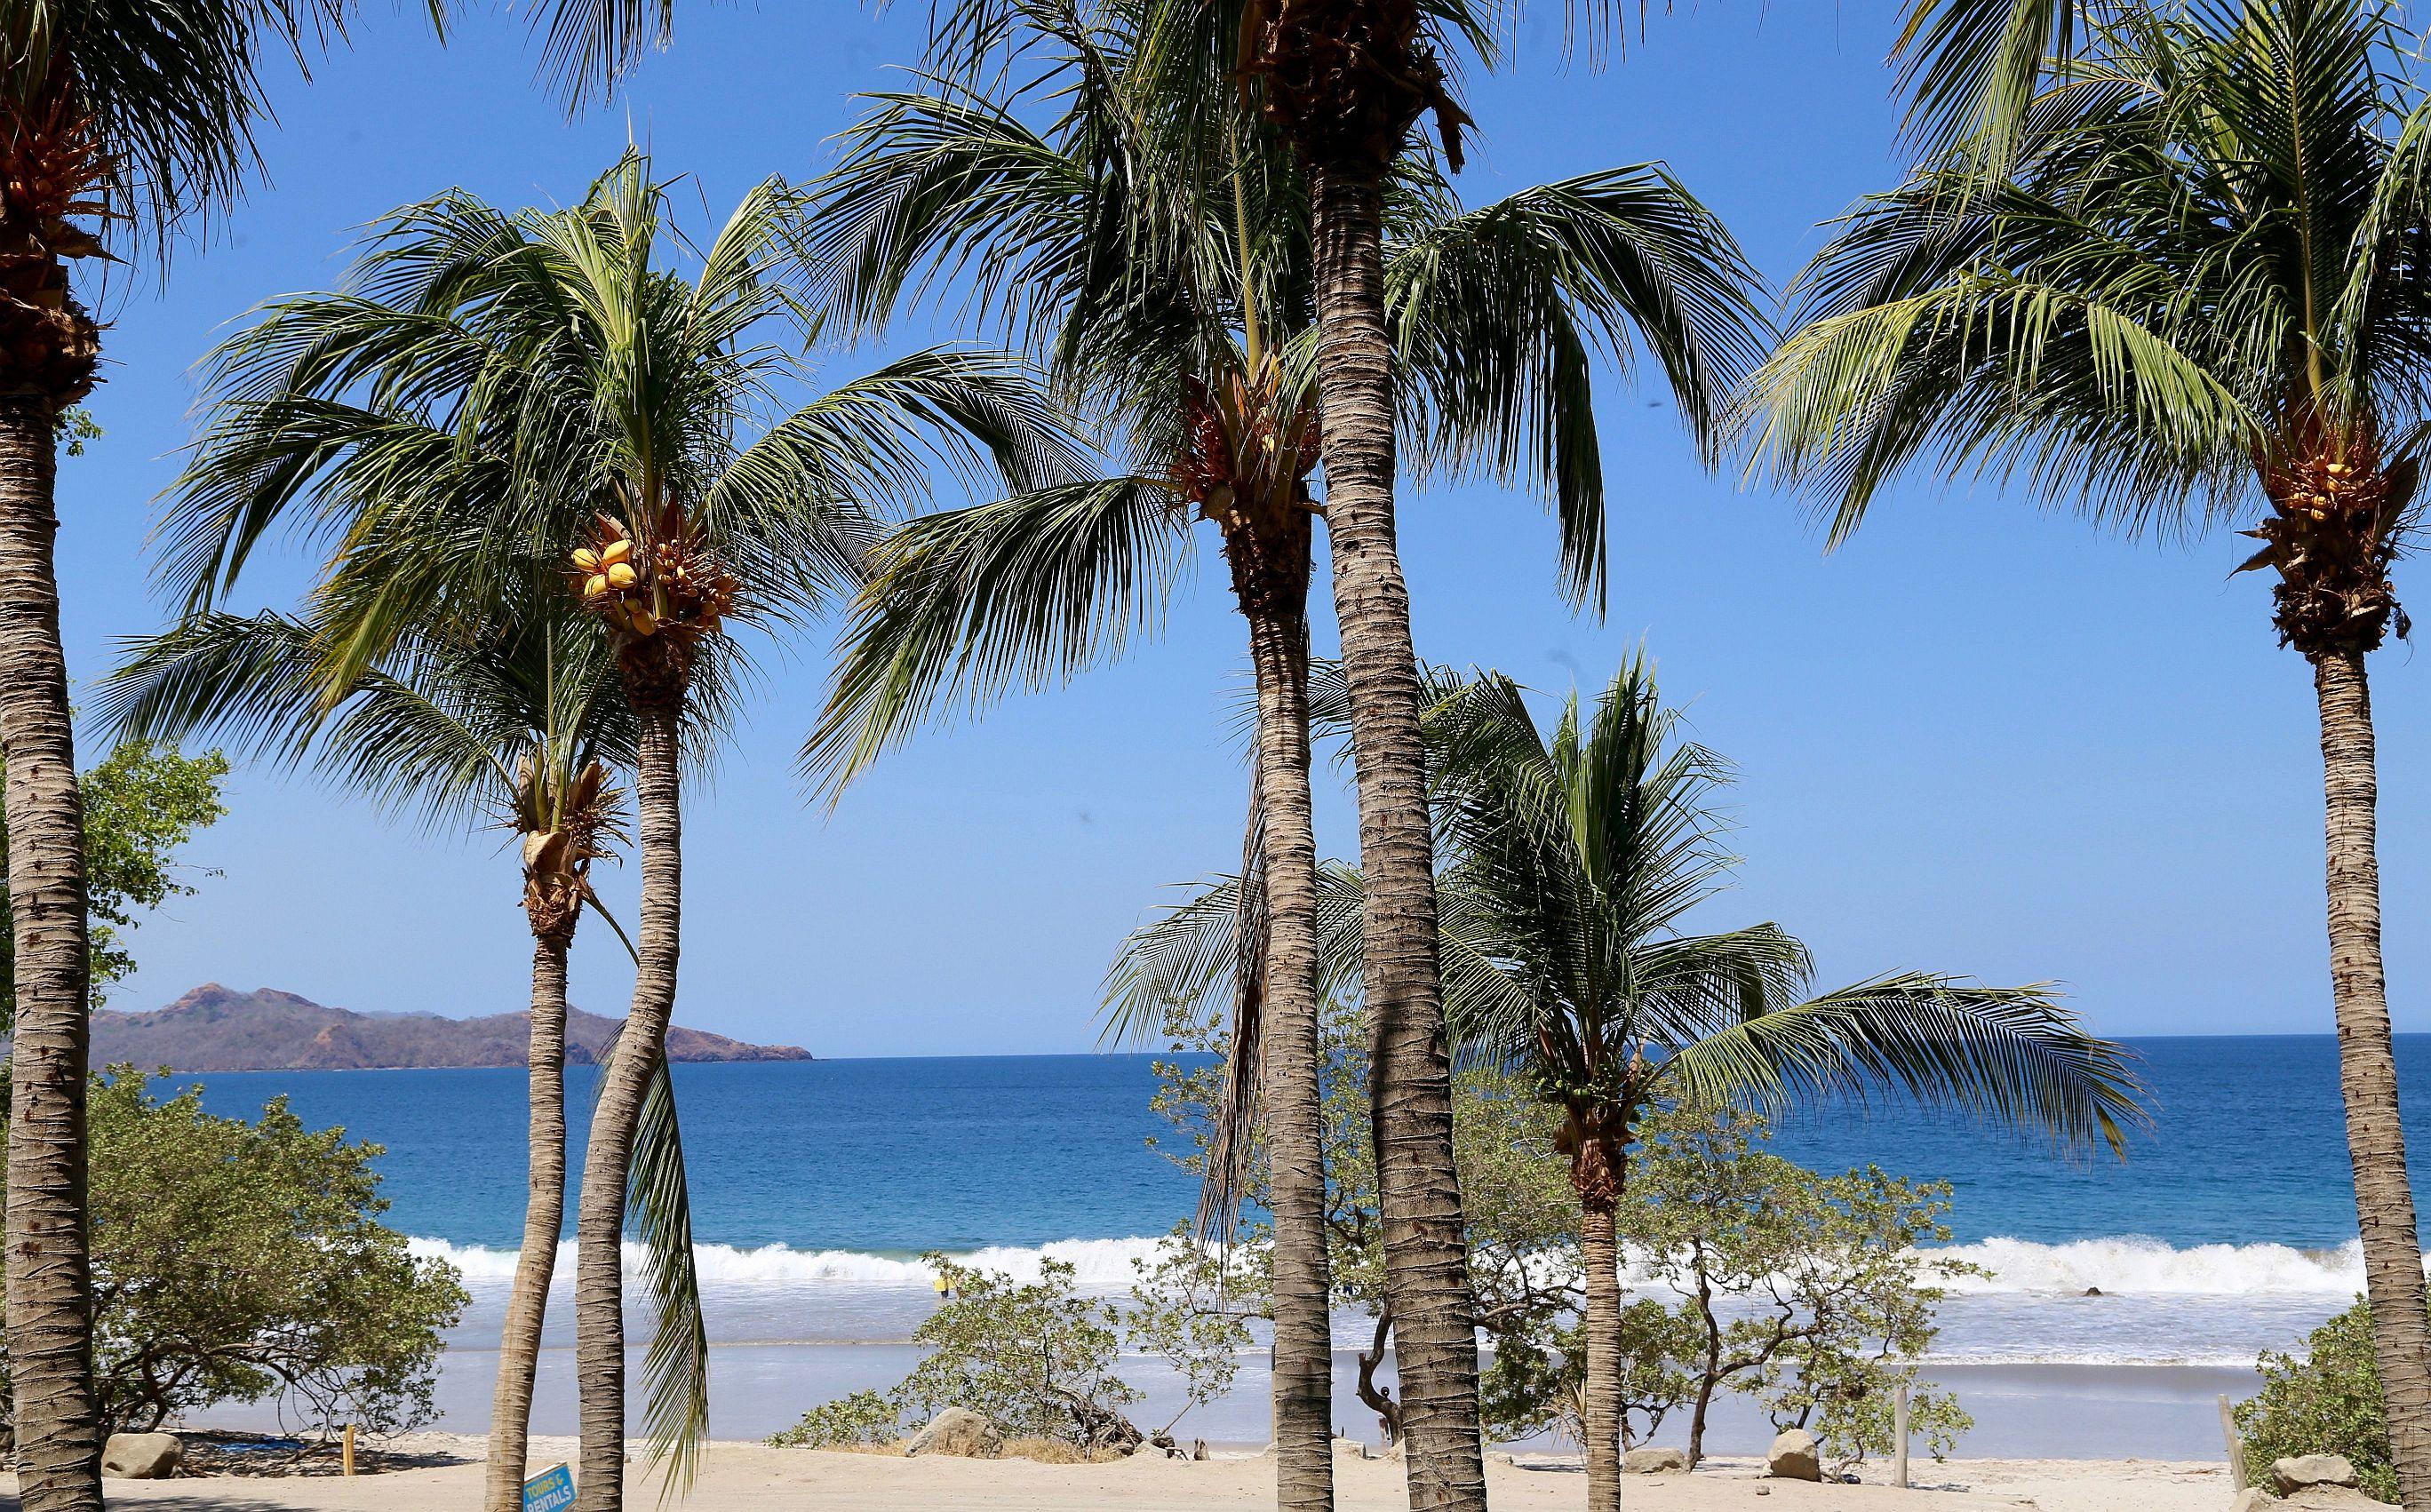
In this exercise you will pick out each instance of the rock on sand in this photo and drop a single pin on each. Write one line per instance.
(1795, 1456)
(141, 1456)
(2295, 1473)
(957, 1431)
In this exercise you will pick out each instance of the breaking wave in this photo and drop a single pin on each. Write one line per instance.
(2134, 1266)
(2125, 1266)
(1095, 1262)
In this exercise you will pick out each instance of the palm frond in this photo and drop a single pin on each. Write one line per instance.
(2192, 247)
(1192, 951)
(1498, 314)
(674, 1373)
(588, 46)
(2010, 1056)
(965, 604)
(435, 730)
(1972, 67)
(173, 89)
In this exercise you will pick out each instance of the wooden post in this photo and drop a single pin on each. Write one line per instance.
(348, 1452)
(2236, 1450)
(1898, 1438)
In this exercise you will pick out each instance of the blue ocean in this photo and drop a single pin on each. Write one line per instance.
(2226, 1229)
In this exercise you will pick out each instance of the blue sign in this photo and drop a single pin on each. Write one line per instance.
(550, 1490)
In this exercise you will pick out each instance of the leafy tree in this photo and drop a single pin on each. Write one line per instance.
(239, 1261)
(1184, 1311)
(2172, 277)
(140, 806)
(862, 1418)
(2325, 1398)
(1034, 1358)
(1523, 1223)
(1807, 1291)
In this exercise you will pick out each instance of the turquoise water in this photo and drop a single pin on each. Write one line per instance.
(2228, 1229)
(898, 1156)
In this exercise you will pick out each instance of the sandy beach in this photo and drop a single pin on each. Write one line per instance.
(740, 1477)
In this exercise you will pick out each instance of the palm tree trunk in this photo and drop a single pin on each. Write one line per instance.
(544, 1220)
(1599, 1248)
(1273, 589)
(607, 1160)
(49, 1268)
(2392, 1250)
(1418, 1191)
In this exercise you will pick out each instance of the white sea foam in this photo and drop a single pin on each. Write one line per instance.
(1095, 1262)
(2134, 1266)
(2126, 1266)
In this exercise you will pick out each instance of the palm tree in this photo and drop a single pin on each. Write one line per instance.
(1155, 257)
(1572, 863)
(1347, 82)
(2186, 283)
(517, 725)
(128, 116)
(120, 121)
(500, 394)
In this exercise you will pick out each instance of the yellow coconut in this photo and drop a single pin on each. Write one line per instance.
(642, 622)
(597, 586)
(586, 559)
(621, 575)
(616, 551)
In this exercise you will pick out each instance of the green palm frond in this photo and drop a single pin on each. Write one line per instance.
(173, 89)
(2008, 1055)
(2029, 382)
(447, 425)
(1572, 860)
(876, 439)
(1972, 68)
(674, 1373)
(1180, 958)
(966, 604)
(1192, 956)
(436, 730)
(1499, 314)
(588, 46)
(2196, 240)
(1056, 171)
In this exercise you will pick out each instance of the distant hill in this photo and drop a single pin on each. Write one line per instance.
(216, 1029)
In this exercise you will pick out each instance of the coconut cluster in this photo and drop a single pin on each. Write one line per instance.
(2330, 540)
(667, 584)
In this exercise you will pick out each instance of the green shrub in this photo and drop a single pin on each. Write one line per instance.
(2324, 1400)
(1037, 1358)
(239, 1261)
(862, 1418)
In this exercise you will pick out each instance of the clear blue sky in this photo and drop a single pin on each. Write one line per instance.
(1981, 739)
